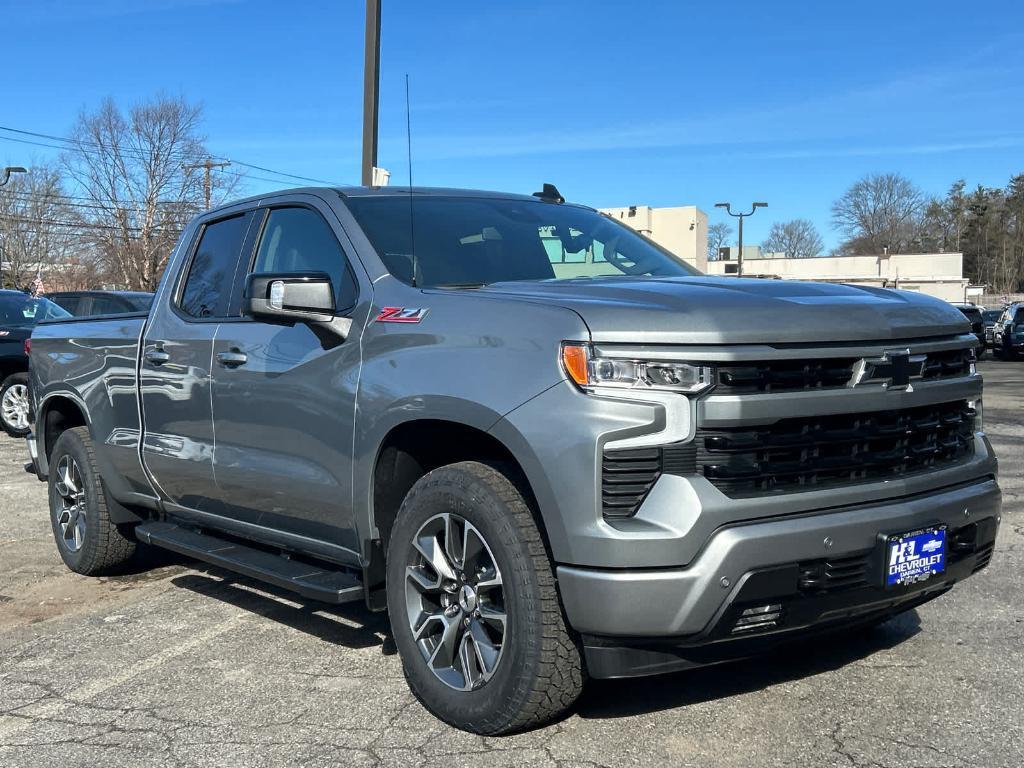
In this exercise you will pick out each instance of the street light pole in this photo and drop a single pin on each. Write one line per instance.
(9, 170)
(740, 216)
(371, 89)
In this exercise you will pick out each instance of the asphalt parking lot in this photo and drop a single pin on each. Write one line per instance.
(179, 665)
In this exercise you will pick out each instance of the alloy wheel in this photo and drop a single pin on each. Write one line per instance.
(455, 602)
(14, 407)
(72, 515)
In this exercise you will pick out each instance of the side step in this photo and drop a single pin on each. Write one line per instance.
(319, 583)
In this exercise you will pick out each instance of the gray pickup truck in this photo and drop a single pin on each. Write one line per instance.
(548, 448)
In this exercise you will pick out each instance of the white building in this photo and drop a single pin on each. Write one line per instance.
(936, 274)
(682, 230)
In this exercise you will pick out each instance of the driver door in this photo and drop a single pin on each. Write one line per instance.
(284, 394)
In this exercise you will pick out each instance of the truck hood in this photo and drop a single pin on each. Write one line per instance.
(729, 310)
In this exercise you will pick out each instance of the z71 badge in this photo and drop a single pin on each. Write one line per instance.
(401, 315)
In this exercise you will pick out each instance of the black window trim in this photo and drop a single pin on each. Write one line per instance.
(197, 238)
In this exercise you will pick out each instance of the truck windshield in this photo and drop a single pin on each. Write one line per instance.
(469, 241)
(23, 311)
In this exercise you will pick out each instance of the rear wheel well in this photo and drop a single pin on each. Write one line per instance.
(414, 448)
(61, 415)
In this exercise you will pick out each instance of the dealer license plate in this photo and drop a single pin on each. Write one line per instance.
(915, 556)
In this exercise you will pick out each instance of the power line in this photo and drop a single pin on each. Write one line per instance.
(81, 225)
(77, 145)
(110, 207)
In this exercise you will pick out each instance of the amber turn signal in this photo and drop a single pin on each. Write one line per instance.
(574, 360)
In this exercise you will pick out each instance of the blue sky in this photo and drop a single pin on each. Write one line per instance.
(658, 103)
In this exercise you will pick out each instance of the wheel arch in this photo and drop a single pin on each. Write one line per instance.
(411, 449)
(58, 412)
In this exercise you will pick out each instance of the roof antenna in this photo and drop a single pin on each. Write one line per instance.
(408, 144)
(550, 194)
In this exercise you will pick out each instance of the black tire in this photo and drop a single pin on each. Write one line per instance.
(101, 546)
(539, 673)
(12, 381)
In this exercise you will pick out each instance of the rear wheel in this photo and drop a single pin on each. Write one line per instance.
(88, 542)
(14, 405)
(473, 605)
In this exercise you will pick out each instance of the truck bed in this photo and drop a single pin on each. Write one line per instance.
(95, 360)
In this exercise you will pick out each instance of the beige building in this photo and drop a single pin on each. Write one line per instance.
(936, 274)
(682, 229)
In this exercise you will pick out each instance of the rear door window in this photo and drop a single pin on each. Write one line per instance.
(207, 289)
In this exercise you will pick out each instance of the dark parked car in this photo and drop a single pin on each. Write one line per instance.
(974, 314)
(19, 313)
(90, 303)
(990, 318)
(1008, 338)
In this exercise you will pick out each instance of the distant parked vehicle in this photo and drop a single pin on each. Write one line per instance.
(92, 303)
(1008, 337)
(19, 314)
(990, 318)
(974, 313)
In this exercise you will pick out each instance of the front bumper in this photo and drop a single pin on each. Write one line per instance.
(765, 562)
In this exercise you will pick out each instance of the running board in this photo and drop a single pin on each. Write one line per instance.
(313, 581)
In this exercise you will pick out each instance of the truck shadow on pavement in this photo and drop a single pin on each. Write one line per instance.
(353, 626)
(793, 661)
(350, 625)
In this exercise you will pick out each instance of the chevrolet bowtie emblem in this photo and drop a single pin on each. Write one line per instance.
(893, 370)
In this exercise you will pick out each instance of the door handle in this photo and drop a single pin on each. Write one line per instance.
(232, 359)
(156, 356)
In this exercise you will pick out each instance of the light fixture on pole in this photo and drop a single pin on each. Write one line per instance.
(740, 216)
(9, 170)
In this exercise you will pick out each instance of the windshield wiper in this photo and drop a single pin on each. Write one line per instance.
(460, 286)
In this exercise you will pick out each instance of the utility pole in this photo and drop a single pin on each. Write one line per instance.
(740, 216)
(207, 165)
(371, 89)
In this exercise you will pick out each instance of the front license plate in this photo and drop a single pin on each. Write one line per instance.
(915, 556)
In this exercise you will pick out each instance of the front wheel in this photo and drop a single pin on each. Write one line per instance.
(473, 604)
(14, 405)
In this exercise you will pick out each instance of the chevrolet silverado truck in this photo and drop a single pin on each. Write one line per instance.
(547, 447)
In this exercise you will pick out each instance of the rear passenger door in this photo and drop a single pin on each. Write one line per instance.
(284, 395)
(175, 381)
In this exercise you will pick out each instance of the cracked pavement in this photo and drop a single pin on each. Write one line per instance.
(176, 664)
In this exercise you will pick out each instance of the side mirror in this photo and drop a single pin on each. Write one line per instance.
(289, 297)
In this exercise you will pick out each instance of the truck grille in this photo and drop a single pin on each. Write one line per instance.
(784, 375)
(951, 363)
(759, 377)
(807, 453)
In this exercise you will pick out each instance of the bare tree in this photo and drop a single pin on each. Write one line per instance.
(140, 175)
(880, 211)
(718, 238)
(798, 239)
(36, 234)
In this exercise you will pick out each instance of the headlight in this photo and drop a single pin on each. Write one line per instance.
(591, 372)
